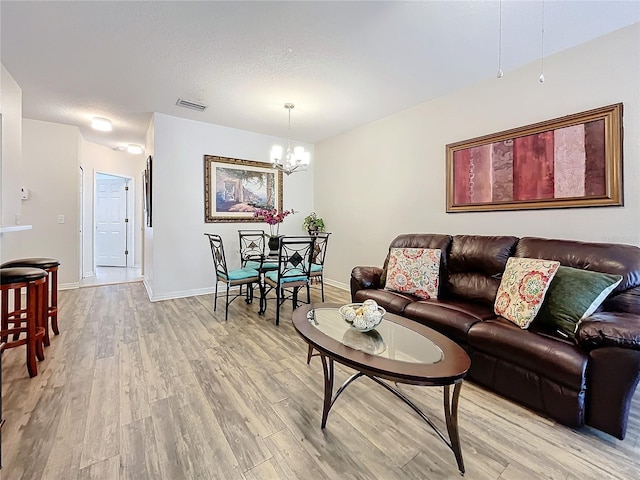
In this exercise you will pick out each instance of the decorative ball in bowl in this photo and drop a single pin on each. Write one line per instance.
(362, 316)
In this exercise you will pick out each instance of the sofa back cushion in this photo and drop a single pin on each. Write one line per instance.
(475, 266)
(611, 258)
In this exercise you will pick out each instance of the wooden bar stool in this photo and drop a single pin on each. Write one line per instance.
(29, 320)
(50, 265)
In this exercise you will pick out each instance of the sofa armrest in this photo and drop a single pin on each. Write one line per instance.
(365, 277)
(612, 378)
(609, 329)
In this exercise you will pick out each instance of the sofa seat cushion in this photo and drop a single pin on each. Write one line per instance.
(560, 361)
(393, 302)
(452, 318)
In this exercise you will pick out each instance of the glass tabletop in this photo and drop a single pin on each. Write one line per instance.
(388, 339)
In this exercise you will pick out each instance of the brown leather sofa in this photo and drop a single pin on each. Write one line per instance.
(587, 381)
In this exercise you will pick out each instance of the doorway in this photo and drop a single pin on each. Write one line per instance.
(112, 225)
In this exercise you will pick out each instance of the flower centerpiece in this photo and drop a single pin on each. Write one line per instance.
(273, 218)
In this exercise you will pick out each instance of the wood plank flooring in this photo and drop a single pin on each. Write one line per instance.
(145, 391)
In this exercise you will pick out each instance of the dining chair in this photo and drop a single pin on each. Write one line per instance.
(252, 243)
(231, 278)
(292, 274)
(317, 259)
(252, 250)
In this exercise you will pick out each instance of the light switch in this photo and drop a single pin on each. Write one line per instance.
(60, 218)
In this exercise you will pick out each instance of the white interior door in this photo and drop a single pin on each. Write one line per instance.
(111, 226)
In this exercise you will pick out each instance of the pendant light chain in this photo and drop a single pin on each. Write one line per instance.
(500, 72)
(289, 129)
(541, 78)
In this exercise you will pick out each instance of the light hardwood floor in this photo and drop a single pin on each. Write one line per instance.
(138, 390)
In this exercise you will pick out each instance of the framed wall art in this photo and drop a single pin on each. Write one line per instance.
(572, 161)
(148, 185)
(234, 189)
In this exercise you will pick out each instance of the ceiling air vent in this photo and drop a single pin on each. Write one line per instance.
(191, 105)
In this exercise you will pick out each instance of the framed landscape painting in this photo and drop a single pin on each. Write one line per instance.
(148, 186)
(572, 161)
(234, 189)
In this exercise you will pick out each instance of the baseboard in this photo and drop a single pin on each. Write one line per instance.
(147, 287)
(68, 286)
(182, 294)
(340, 285)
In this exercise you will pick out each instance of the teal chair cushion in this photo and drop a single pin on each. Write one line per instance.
(265, 265)
(242, 274)
(315, 268)
(293, 275)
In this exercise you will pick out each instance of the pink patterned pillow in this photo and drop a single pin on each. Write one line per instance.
(414, 270)
(522, 289)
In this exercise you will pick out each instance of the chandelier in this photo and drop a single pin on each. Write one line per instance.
(295, 159)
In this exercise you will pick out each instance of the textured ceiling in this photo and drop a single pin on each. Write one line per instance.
(343, 64)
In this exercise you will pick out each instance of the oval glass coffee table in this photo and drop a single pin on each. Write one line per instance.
(398, 350)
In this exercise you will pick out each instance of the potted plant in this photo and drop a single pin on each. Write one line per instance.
(313, 223)
(273, 218)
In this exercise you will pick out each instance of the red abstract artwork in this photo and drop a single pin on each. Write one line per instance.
(572, 161)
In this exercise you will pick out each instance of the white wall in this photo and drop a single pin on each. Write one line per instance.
(10, 158)
(388, 177)
(50, 171)
(94, 159)
(180, 260)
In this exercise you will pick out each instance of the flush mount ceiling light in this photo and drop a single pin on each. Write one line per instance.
(295, 159)
(135, 149)
(101, 124)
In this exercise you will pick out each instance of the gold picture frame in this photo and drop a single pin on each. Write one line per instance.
(572, 161)
(234, 189)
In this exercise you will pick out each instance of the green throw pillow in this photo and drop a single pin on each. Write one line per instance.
(573, 295)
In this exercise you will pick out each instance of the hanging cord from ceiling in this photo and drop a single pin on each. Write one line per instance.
(500, 73)
(541, 77)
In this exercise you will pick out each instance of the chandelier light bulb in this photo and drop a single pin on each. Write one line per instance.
(276, 154)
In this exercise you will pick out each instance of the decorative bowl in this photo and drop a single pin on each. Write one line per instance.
(362, 317)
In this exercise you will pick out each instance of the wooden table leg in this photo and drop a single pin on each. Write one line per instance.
(451, 417)
(327, 368)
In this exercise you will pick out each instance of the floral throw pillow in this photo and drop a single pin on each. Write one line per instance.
(414, 270)
(524, 284)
